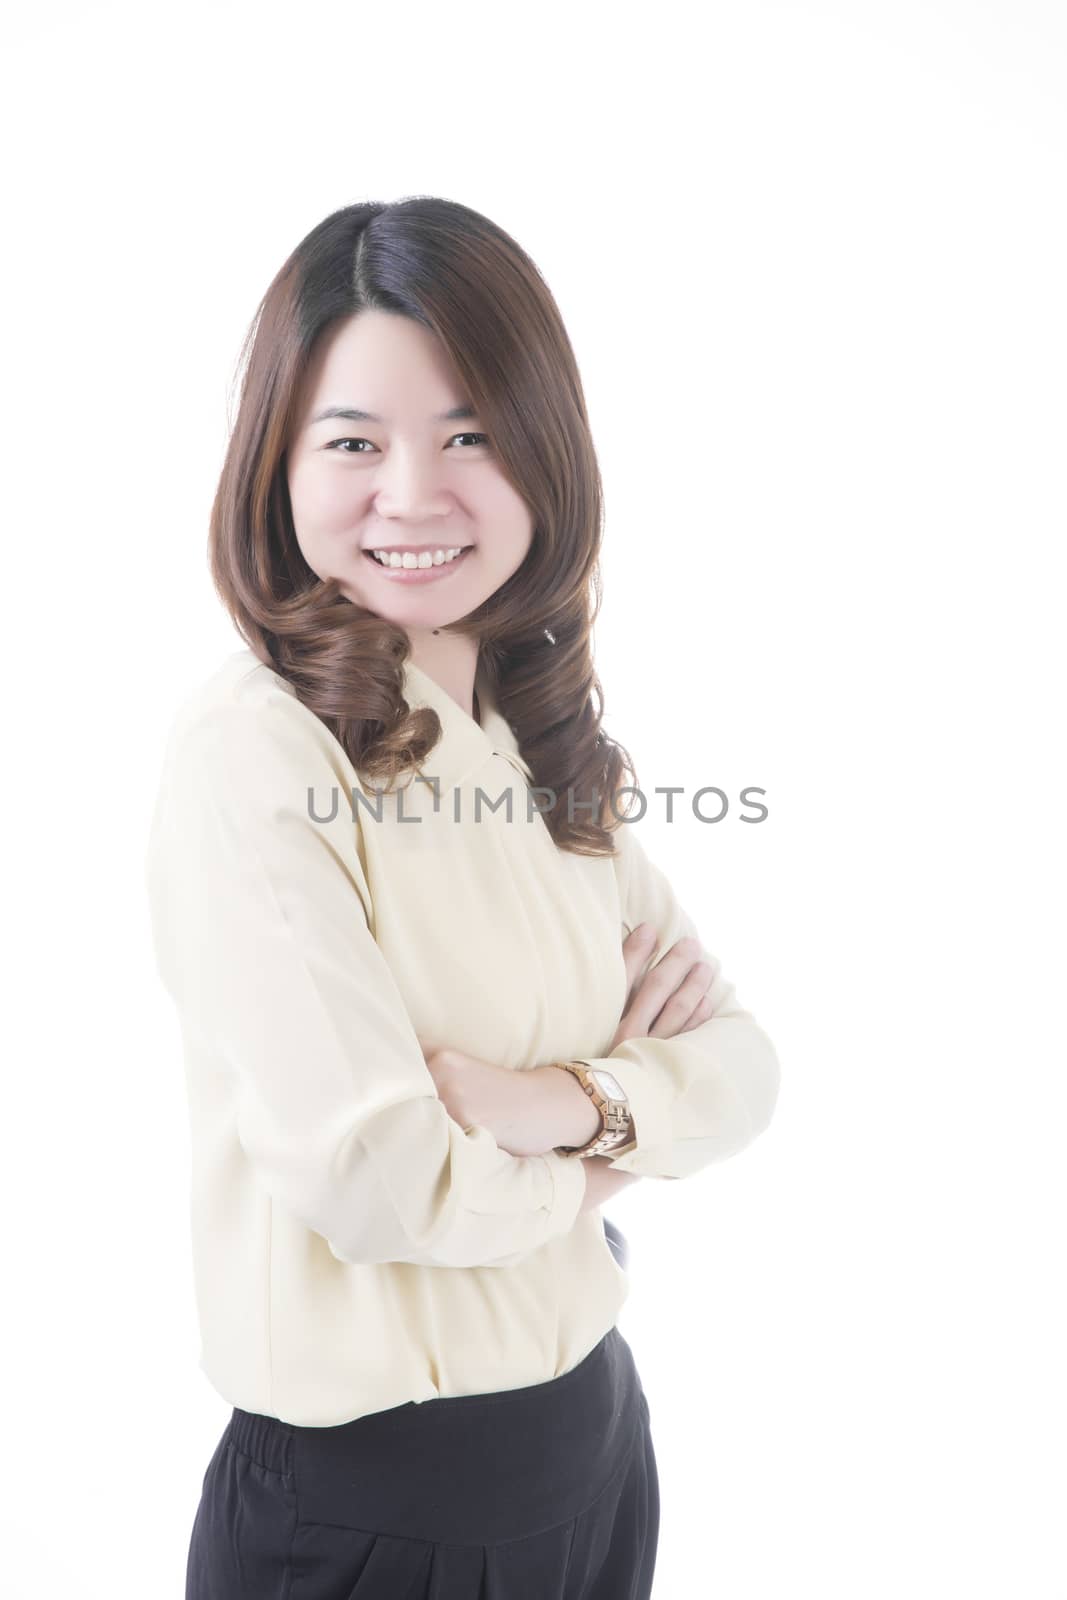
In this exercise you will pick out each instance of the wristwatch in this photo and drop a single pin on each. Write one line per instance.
(609, 1097)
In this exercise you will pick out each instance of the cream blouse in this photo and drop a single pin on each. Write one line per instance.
(353, 1247)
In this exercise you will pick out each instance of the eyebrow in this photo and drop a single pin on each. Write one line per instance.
(353, 414)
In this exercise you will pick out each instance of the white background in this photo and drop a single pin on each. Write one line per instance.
(812, 259)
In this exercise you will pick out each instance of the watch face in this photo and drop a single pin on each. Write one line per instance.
(607, 1084)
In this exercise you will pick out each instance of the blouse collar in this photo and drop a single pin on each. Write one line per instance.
(465, 745)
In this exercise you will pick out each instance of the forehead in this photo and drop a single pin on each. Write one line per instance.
(383, 363)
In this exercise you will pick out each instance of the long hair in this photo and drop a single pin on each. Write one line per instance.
(459, 275)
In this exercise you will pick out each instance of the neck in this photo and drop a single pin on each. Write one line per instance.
(451, 660)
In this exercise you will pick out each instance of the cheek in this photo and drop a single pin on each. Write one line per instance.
(519, 542)
(323, 502)
(509, 516)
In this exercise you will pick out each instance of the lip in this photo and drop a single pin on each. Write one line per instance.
(429, 574)
(416, 549)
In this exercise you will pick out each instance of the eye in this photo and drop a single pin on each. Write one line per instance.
(482, 436)
(335, 444)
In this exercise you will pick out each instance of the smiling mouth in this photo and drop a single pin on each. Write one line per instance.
(421, 560)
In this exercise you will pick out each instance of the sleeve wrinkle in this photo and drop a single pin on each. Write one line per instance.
(262, 929)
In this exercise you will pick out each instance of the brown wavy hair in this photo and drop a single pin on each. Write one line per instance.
(464, 278)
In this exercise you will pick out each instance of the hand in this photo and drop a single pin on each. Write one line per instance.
(673, 997)
(513, 1104)
(603, 1181)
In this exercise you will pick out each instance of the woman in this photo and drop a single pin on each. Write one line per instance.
(430, 1025)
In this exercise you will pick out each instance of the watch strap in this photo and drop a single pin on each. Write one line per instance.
(615, 1118)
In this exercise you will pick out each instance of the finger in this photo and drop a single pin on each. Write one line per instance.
(702, 1013)
(659, 985)
(637, 950)
(679, 1006)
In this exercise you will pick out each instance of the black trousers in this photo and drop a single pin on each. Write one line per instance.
(547, 1492)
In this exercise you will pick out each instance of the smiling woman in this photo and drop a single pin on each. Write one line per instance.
(438, 501)
(426, 1038)
(387, 327)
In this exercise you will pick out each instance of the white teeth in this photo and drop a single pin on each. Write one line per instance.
(438, 558)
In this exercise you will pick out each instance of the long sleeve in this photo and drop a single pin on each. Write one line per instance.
(262, 924)
(703, 1095)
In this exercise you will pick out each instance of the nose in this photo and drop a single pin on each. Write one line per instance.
(410, 484)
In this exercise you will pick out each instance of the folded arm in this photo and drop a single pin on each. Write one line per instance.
(700, 1096)
(261, 920)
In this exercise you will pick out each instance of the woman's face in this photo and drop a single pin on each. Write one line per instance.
(415, 481)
